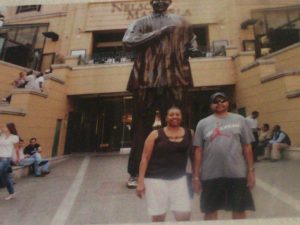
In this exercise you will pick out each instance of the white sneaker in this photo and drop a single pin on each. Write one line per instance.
(132, 182)
(9, 197)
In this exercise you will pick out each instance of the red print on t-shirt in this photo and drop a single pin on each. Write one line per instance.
(217, 133)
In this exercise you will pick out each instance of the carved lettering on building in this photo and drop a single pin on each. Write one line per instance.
(137, 10)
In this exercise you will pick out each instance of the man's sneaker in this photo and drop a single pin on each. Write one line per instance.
(132, 182)
(46, 173)
(9, 197)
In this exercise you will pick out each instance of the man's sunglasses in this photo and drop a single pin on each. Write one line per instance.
(217, 101)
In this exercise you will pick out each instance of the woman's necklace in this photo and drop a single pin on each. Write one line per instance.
(175, 138)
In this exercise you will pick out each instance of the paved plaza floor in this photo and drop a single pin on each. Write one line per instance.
(91, 189)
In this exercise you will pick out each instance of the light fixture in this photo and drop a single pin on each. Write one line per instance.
(52, 35)
(249, 22)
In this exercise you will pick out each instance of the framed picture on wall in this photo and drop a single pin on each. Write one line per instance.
(248, 45)
(79, 52)
(219, 47)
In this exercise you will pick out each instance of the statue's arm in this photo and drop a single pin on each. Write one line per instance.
(134, 36)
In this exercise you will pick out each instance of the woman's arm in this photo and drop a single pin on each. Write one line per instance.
(147, 152)
(197, 167)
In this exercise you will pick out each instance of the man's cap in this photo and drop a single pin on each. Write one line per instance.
(218, 94)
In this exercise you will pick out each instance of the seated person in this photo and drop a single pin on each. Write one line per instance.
(39, 81)
(279, 142)
(17, 83)
(33, 157)
(30, 80)
(263, 139)
(20, 81)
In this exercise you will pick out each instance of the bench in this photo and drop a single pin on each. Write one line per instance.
(292, 153)
(23, 171)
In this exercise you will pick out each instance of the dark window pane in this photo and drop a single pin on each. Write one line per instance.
(25, 35)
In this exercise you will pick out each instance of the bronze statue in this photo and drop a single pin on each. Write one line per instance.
(161, 72)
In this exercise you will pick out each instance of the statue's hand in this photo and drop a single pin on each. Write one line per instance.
(167, 29)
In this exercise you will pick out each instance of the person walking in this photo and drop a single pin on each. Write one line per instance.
(253, 123)
(162, 172)
(223, 162)
(8, 139)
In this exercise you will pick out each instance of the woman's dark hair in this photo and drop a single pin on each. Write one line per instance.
(29, 72)
(39, 75)
(174, 107)
(266, 125)
(32, 139)
(12, 128)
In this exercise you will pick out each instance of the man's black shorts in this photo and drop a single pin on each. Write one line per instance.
(230, 194)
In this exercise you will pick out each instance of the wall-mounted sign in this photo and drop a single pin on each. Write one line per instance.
(137, 10)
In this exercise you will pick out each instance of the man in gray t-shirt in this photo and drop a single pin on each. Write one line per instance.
(224, 156)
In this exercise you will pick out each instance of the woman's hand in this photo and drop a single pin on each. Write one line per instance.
(140, 189)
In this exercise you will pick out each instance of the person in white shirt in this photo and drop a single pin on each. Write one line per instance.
(252, 121)
(30, 80)
(8, 139)
(39, 81)
(18, 154)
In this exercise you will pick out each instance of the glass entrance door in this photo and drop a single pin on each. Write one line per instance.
(100, 124)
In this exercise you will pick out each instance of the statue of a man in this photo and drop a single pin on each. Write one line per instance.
(161, 72)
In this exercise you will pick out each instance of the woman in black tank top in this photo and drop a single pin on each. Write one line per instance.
(165, 156)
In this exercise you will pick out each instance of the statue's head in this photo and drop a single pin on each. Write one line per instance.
(160, 6)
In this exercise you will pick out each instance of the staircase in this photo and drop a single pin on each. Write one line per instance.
(271, 85)
(36, 113)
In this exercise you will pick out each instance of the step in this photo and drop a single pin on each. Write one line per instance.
(4, 103)
(292, 153)
(23, 171)
(11, 110)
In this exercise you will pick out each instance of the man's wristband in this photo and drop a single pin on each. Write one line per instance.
(252, 169)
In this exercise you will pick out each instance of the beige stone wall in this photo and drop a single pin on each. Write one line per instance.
(98, 79)
(213, 72)
(76, 22)
(270, 98)
(113, 78)
(42, 113)
(287, 59)
(117, 15)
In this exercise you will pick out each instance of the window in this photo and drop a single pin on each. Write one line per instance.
(276, 29)
(28, 8)
(108, 47)
(202, 38)
(249, 45)
(24, 44)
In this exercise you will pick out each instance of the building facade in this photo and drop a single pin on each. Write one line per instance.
(249, 49)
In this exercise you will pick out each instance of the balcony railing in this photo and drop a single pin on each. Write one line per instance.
(125, 57)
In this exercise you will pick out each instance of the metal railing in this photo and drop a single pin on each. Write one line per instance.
(125, 57)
